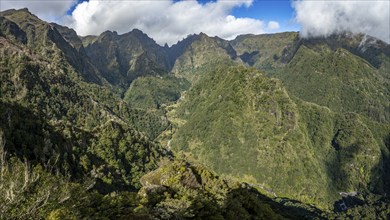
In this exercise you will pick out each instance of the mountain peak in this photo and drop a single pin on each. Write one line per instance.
(136, 31)
(17, 11)
(24, 10)
(9, 11)
(139, 34)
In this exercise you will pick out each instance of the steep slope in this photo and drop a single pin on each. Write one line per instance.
(149, 96)
(11, 30)
(71, 37)
(122, 58)
(74, 146)
(66, 118)
(338, 79)
(45, 39)
(343, 72)
(183, 190)
(266, 51)
(245, 125)
(373, 50)
(60, 140)
(155, 92)
(87, 40)
(199, 52)
(63, 147)
(270, 51)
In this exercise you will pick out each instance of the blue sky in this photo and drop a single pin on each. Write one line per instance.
(268, 10)
(71, 8)
(277, 10)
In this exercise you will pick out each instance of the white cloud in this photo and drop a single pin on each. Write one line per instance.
(273, 25)
(323, 18)
(45, 9)
(164, 21)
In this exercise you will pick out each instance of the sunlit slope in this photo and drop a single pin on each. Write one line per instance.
(243, 124)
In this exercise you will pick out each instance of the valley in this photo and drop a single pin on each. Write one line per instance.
(116, 126)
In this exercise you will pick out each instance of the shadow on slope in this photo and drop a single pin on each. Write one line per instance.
(28, 137)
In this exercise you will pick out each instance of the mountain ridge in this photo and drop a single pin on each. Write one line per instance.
(114, 120)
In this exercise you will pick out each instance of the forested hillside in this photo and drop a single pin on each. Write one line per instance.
(116, 126)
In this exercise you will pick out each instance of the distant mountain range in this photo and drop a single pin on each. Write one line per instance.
(266, 126)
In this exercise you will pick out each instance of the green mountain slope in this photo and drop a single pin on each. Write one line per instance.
(245, 125)
(199, 52)
(61, 142)
(154, 92)
(184, 190)
(347, 73)
(266, 51)
(83, 122)
(122, 58)
(65, 154)
(45, 39)
(54, 92)
(339, 80)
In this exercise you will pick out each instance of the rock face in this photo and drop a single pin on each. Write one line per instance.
(11, 29)
(122, 58)
(346, 73)
(199, 51)
(47, 40)
(266, 51)
(297, 118)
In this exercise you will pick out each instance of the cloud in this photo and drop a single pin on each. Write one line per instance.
(323, 18)
(273, 25)
(164, 21)
(45, 9)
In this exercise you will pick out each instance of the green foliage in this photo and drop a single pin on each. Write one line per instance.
(344, 72)
(120, 156)
(289, 144)
(122, 58)
(155, 92)
(339, 80)
(77, 125)
(234, 108)
(266, 51)
(199, 53)
(31, 191)
(182, 190)
(51, 116)
(146, 100)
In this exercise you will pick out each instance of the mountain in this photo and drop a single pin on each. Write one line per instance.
(48, 111)
(347, 73)
(199, 52)
(266, 51)
(235, 113)
(155, 92)
(339, 80)
(343, 80)
(44, 38)
(261, 127)
(122, 58)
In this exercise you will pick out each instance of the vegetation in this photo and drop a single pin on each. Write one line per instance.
(84, 122)
(123, 58)
(155, 92)
(199, 53)
(339, 80)
(181, 190)
(302, 146)
(267, 51)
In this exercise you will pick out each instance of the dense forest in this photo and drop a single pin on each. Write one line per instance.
(268, 126)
